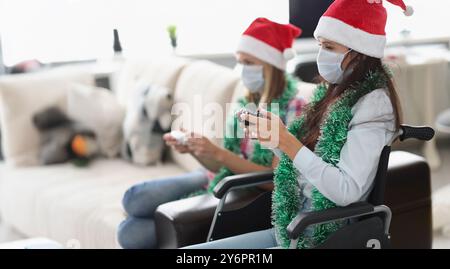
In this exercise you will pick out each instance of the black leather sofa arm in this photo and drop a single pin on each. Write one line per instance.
(303, 220)
(243, 180)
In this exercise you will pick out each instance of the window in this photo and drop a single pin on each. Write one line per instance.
(65, 30)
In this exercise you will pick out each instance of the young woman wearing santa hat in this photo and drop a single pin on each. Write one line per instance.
(329, 155)
(264, 49)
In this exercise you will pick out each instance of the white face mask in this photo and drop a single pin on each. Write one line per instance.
(329, 64)
(253, 77)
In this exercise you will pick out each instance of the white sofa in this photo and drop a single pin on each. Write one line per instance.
(65, 203)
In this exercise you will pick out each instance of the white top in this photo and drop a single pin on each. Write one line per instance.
(371, 128)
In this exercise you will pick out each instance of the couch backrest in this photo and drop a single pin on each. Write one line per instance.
(239, 92)
(160, 71)
(201, 94)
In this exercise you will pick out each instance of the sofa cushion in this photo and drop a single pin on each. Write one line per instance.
(201, 95)
(21, 96)
(158, 71)
(70, 204)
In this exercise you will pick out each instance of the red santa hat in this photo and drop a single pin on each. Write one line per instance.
(358, 24)
(269, 41)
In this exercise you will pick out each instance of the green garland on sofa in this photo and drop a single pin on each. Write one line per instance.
(334, 129)
(261, 156)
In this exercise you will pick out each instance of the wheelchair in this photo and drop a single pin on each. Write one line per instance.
(371, 220)
(239, 206)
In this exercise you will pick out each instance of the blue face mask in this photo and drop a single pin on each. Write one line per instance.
(253, 78)
(329, 64)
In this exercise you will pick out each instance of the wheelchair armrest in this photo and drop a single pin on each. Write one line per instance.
(242, 181)
(303, 220)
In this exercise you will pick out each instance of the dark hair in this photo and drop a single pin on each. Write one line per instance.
(362, 65)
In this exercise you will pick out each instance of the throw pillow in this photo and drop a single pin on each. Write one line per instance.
(99, 110)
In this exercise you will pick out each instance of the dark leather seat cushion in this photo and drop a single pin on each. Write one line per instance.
(186, 222)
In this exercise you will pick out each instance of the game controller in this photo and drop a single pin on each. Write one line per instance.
(244, 112)
(179, 136)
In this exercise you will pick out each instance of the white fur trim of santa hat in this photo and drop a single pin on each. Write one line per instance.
(289, 54)
(349, 36)
(262, 51)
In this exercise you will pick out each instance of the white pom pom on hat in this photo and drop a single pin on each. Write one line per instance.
(409, 11)
(289, 54)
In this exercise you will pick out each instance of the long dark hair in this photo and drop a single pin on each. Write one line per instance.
(361, 65)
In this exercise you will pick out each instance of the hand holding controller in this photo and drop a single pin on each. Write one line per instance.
(179, 136)
(243, 112)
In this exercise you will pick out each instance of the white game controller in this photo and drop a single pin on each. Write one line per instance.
(179, 136)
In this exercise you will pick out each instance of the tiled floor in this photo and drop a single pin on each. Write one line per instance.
(440, 178)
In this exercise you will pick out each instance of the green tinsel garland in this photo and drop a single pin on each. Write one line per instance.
(261, 156)
(333, 135)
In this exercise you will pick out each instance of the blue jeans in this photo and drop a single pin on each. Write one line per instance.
(254, 240)
(140, 203)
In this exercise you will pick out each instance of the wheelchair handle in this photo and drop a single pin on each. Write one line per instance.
(418, 132)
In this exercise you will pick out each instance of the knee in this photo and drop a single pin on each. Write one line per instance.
(133, 202)
(134, 233)
(127, 201)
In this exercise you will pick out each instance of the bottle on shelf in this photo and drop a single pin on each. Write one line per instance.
(117, 46)
(107, 69)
